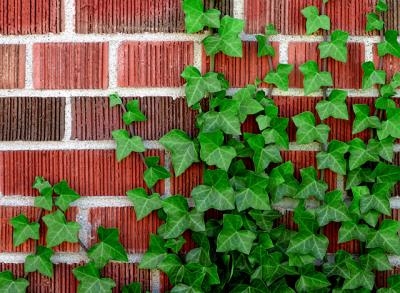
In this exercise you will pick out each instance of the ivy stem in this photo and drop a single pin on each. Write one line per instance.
(271, 68)
(36, 242)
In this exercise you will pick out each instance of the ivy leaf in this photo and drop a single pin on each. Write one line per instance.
(390, 127)
(59, 230)
(276, 131)
(133, 113)
(66, 195)
(265, 219)
(183, 150)
(195, 17)
(336, 48)
(45, 200)
(23, 230)
(10, 285)
(352, 231)
(334, 209)
(305, 219)
(342, 266)
(390, 45)
(333, 158)
(109, 248)
(134, 287)
(357, 176)
(306, 242)
(381, 6)
(143, 203)
(314, 20)
(173, 267)
(115, 100)
(310, 185)
(363, 120)
(394, 283)
(335, 106)
(263, 156)
(361, 154)
(253, 193)
(40, 262)
(385, 173)
(378, 200)
(214, 195)
(307, 131)
(359, 278)
(226, 120)
(264, 46)
(154, 254)
(90, 280)
(311, 282)
(126, 144)
(313, 78)
(374, 22)
(154, 172)
(280, 77)
(232, 237)
(376, 259)
(372, 76)
(213, 152)
(175, 244)
(386, 237)
(384, 148)
(282, 182)
(247, 104)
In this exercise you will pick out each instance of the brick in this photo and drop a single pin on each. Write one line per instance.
(31, 17)
(348, 15)
(70, 65)
(299, 53)
(381, 277)
(6, 230)
(32, 119)
(12, 66)
(134, 235)
(392, 16)
(135, 16)
(94, 120)
(185, 183)
(332, 232)
(390, 64)
(153, 64)
(89, 172)
(242, 71)
(124, 274)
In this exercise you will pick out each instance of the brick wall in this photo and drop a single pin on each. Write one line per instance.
(60, 59)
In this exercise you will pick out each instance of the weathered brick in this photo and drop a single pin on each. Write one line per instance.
(70, 65)
(242, 71)
(12, 66)
(89, 172)
(33, 119)
(153, 64)
(94, 120)
(299, 53)
(31, 17)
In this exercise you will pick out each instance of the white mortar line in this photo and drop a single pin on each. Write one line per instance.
(369, 51)
(238, 9)
(67, 119)
(155, 281)
(198, 55)
(284, 52)
(85, 231)
(29, 66)
(69, 9)
(87, 202)
(113, 63)
(167, 181)
(340, 182)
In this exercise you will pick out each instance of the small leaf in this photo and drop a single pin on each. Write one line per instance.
(381, 6)
(314, 20)
(133, 113)
(264, 47)
(154, 172)
(23, 230)
(126, 144)
(363, 120)
(280, 77)
(335, 106)
(311, 282)
(390, 45)
(313, 78)
(386, 237)
(307, 131)
(391, 126)
(66, 195)
(45, 200)
(115, 100)
(195, 17)
(310, 185)
(336, 48)
(372, 76)
(143, 203)
(374, 22)
(90, 280)
(333, 158)
(334, 209)
(59, 230)
(10, 285)
(40, 262)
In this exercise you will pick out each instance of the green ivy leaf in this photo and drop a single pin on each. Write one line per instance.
(253, 193)
(384, 148)
(381, 6)
(24, 230)
(357, 176)
(314, 20)
(280, 77)
(391, 126)
(173, 267)
(264, 46)
(359, 278)
(310, 185)
(195, 17)
(333, 159)
(144, 204)
(334, 209)
(312, 281)
(175, 244)
(45, 200)
(307, 131)
(154, 254)
(154, 172)
(372, 76)
(90, 280)
(282, 182)
(134, 287)
(376, 259)
(374, 22)
(126, 144)
(273, 127)
(226, 119)
(59, 230)
(363, 120)
(10, 285)
(115, 100)
(232, 237)
(361, 153)
(248, 105)
(336, 48)
(342, 267)
(390, 45)
(306, 242)
(385, 173)
(40, 262)
(386, 237)
(133, 113)
(66, 195)
(394, 283)
(263, 155)
(352, 231)
(313, 78)
(335, 106)
(378, 200)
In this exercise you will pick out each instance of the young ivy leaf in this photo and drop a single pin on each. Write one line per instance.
(335, 106)
(90, 280)
(359, 277)
(282, 182)
(313, 78)
(66, 195)
(372, 76)
(45, 200)
(109, 248)
(336, 48)
(363, 120)
(59, 230)
(314, 20)
(307, 131)
(280, 77)
(333, 158)
(23, 229)
(334, 209)
(142, 203)
(195, 17)
(40, 262)
(115, 100)
(390, 45)
(361, 153)
(390, 127)
(310, 185)
(126, 144)
(264, 46)
(381, 6)
(10, 285)
(133, 113)
(374, 22)
(154, 172)
(232, 237)
(155, 254)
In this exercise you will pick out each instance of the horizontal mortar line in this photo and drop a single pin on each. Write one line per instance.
(60, 257)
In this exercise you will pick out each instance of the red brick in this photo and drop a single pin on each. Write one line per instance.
(153, 64)
(332, 232)
(70, 65)
(31, 17)
(94, 120)
(135, 16)
(391, 64)
(125, 274)
(299, 53)
(134, 235)
(27, 118)
(185, 183)
(381, 277)
(348, 15)
(392, 16)
(6, 230)
(242, 71)
(12, 66)
(287, 220)
(89, 172)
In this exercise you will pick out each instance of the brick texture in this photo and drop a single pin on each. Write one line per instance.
(12, 66)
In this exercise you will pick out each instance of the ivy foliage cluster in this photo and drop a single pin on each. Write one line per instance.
(233, 215)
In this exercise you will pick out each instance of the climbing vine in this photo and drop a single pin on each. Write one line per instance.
(232, 216)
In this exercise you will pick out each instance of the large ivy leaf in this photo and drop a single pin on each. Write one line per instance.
(309, 243)
(143, 203)
(195, 17)
(386, 237)
(336, 48)
(363, 120)
(357, 176)
(314, 20)
(45, 200)
(376, 259)
(253, 194)
(307, 131)
(23, 229)
(280, 77)
(391, 126)
(310, 185)
(66, 195)
(154, 254)
(333, 158)
(390, 45)
(154, 172)
(90, 280)
(352, 231)
(311, 282)
(385, 173)
(313, 78)
(173, 267)
(126, 144)
(342, 266)
(275, 130)
(305, 219)
(40, 262)
(359, 277)
(59, 230)
(379, 200)
(10, 285)
(334, 209)
(361, 153)
(133, 113)
(335, 106)
(248, 105)
(232, 237)
(384, 147)
(372, 76)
